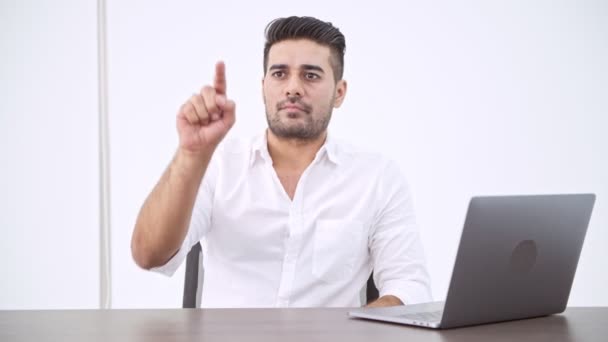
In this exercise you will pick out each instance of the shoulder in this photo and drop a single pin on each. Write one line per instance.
(359, 156)
(236, 149)
(234, 155)
(235, 145)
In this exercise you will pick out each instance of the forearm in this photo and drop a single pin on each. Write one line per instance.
(163, 220)
(387, 300)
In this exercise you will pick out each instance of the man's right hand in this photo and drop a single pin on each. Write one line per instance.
(204, 120)
(163, 221)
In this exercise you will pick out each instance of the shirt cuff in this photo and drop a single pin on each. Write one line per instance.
(173, 264)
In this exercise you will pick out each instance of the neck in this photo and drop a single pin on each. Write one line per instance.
(295, 154)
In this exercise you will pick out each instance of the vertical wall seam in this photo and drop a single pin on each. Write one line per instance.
(105, 265)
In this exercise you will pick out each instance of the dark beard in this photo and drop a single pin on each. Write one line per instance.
(310, 130)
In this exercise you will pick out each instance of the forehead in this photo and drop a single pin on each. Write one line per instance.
(297, 52)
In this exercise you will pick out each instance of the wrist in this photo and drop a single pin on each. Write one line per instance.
(188, 162)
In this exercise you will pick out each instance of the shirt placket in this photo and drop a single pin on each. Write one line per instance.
(293, 243)
(292, 247)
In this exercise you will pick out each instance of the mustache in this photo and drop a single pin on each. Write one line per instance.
(297, 101)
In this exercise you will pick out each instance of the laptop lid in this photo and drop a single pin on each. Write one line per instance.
(517, 257)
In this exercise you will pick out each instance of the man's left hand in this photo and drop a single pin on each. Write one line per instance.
(385, 301)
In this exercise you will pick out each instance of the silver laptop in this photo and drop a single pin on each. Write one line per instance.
(516, 259)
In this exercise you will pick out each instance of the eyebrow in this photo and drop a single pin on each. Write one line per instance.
(303, 66)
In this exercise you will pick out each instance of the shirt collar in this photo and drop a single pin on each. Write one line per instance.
(259, 150)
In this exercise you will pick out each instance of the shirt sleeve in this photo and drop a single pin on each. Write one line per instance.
(396, 248)
(200, 221)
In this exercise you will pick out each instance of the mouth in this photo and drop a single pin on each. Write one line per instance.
(294, 106)
(291, 108)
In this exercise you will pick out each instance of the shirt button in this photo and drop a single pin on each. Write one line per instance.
(289, 258)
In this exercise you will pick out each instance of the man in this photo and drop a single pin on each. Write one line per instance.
(292, 218)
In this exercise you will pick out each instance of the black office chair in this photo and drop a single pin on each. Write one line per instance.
(194, 276)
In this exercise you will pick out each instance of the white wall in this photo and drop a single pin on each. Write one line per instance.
(48, 150)
(470, 97)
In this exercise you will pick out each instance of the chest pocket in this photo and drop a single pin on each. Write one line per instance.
(336, 244)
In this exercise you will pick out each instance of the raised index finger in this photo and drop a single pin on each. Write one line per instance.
(220, 78)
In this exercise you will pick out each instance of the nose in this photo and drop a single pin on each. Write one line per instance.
(294, 86)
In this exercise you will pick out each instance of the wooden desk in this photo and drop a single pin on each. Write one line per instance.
(286, 325)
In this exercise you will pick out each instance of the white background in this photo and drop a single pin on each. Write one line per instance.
(470, 97)
(49, 173)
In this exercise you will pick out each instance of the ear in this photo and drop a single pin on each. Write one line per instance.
(341, 87)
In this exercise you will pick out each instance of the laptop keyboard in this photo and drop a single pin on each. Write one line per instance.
(431, 316)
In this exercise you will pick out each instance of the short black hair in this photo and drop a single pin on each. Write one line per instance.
(321, 32)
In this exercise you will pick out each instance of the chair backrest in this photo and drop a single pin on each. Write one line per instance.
(194, 275)
(370, 290)
(193, 282)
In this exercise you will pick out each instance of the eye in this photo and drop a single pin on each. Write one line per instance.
(278, 74)
(311, 76)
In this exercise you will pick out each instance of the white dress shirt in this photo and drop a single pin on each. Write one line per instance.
(351, 213)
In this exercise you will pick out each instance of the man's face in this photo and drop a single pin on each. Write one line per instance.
(299, 89)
